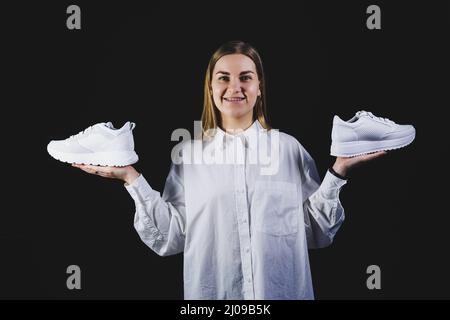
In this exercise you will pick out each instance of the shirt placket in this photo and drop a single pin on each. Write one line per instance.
(243, 218)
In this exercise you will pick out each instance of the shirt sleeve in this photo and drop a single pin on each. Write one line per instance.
(160, 220)
(323, 212)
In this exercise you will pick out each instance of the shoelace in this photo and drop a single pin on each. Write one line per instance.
(370, 114)
(81, 133)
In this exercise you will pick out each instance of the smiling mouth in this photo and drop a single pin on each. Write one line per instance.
(234, 99)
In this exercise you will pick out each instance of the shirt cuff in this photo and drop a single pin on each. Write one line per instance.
(331, 185)
(140, 190)
(337, 174)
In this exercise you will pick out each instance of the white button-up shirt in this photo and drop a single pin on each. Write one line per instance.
(244, 232)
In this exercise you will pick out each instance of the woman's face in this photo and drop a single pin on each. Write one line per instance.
(235, 85)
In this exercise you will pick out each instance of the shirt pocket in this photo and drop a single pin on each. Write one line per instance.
(275, 207)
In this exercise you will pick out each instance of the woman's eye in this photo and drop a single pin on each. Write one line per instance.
(246, 78)
(223, 78)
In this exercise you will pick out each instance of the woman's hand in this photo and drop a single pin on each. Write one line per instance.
(343, 165)
(127, 174)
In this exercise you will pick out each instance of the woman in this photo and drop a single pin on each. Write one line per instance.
(245, 233)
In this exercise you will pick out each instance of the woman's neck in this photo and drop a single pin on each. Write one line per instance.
(234, 125)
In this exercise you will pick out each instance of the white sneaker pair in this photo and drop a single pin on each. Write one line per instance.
(366, 133)
(100, 144)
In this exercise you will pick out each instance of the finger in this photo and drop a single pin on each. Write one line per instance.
(378, 154)
(375, 155)
(105, 174)
(79, 165)
(96, 170)
(90, 167)
(87, 169)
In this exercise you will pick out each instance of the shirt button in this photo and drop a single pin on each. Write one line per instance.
(247, 249)
(244, 221)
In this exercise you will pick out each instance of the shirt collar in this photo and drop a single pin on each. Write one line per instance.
(249, 136)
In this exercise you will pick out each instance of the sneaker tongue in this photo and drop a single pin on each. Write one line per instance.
(109, 125)
(362, 113)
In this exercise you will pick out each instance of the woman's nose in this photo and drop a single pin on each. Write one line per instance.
(234, 86)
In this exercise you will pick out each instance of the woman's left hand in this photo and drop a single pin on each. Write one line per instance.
(343, 165)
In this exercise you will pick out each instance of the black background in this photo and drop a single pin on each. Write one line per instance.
(145, 62)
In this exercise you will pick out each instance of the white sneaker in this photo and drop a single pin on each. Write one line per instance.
(100, 144)
(366, 133)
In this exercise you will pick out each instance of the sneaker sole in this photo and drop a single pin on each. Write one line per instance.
(111, 159)
(357, 148)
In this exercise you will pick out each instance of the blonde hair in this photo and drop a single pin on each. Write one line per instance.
(211, 115)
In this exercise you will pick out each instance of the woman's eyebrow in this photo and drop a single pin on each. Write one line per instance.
(243, 72)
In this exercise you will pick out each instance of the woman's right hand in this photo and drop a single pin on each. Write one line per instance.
(127, 174)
